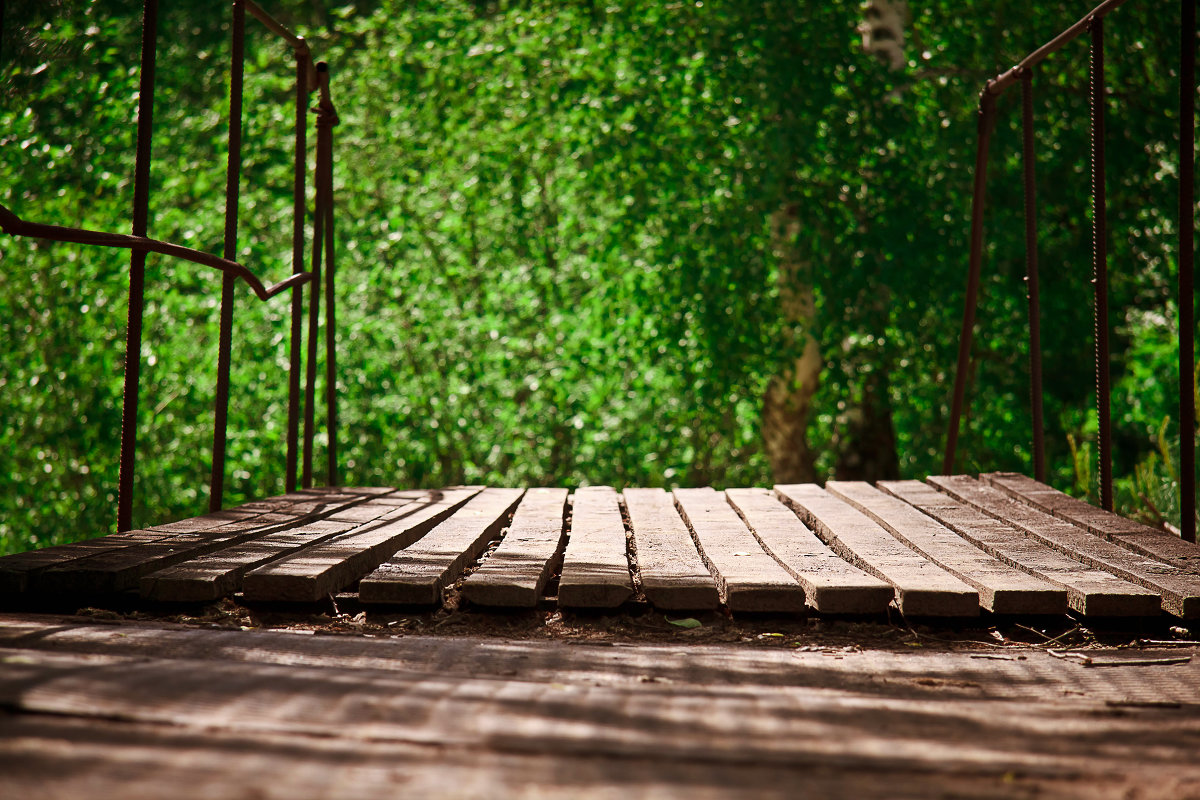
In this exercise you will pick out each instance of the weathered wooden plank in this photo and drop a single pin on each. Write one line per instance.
(1179, 589)
(417, 575)
(15, 570)
(119, 570)
(595, 570)
(922, 587)
(219, 574)
(831, 584)
(747, 578)
(318, 571)
(1090, 591)
(673, 575)
(516, 572)
(1127, 533)
(1003, 589)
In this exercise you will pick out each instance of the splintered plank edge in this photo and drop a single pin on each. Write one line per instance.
(748, 579)
(417, 575)
(515, 574)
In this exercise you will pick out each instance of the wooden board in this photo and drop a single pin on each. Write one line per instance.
(595, 570)
(417, 575)
(219, 573)
(16, 570)
(1090, 591)
(141, 712)
(673, 575)
(831, 584)
(1179, 588)
(120, 570)
(335, 564)
(922, 587)
(747, 578)
(1003, 589)
(1127, 533)
(516, 572)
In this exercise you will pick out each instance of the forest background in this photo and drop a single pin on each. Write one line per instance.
(628, 243)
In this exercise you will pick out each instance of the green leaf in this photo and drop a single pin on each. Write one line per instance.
(686, 622)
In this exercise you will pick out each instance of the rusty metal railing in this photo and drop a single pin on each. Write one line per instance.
(310, 77)
(1022, 73)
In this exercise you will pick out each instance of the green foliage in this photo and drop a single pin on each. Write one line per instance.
(555, 262)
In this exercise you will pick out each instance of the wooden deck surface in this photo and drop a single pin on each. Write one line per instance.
(951, 547)
(93, 709)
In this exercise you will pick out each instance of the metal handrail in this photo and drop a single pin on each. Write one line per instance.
(13, 225)
(1092, 23)
(310, 77)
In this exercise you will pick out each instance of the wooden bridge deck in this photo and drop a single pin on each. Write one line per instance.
(954, 547)
(102, 706)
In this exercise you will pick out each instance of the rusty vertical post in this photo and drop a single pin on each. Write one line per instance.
(1100, 260)
(232, 194)
(987, 109)
(325, 132)
(137, 266)
(314, 317)
(1187, 231)
(299, 209)
(1031, 276)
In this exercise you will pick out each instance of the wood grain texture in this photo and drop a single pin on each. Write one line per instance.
(1090, 591)
(1127, 533)
(595, 570)
(922, 587)
(1179, 588)
(516, 572)
(747, 578)
(673, 575)
(142, 713)
(831, 584)
(1003, 589)
(417, 575)
(17, 569)
(333, 565)
(121, 569)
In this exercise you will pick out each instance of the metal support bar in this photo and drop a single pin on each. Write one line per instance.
(314, 317)
(1031, 277)
(232, 195)
(986, 120)
(137, 267)
(299, 209)
(1187, 232)
(325, 165)
(1100, 262)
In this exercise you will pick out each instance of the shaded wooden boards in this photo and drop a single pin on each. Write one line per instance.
(595, 570)
(16, 569)
(336, 563)
(1090, 591)
(747, 578)
(209, 577)
(922, 587)
(1127, 533)
(141, 713)
(122, 560)
(516, 572)
(831, 584)
(673, 575)
(417, 575)
(1179, 588)
(1002, 589)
